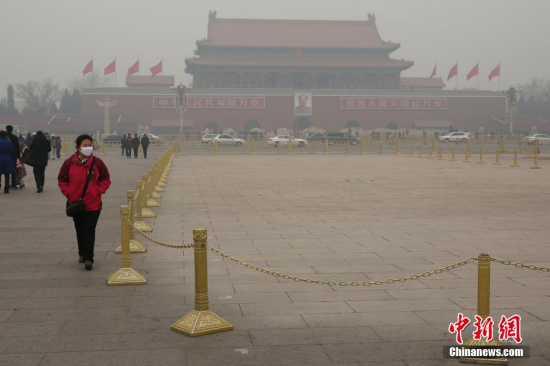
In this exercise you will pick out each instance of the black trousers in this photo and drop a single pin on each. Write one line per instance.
(144, 151)
(13, 177)
(128, 151)
(135, 152)
(84, 225)
(39, 178)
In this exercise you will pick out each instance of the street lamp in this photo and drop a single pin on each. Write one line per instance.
(512, 104)
(182, 103)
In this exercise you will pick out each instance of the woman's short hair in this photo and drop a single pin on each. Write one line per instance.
(81, 138)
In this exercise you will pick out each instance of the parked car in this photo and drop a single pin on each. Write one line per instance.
(112, 140)
(227, 140)
(206, 138)
(317, 137)
(541, 137)
(153, 139)
(341, 138)
(284, 139)
(455, 136)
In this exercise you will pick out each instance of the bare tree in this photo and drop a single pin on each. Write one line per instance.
(38, 96)
(536, 88)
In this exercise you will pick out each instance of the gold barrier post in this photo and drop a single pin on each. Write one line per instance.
(313, 147)
(503, 145)
(278, 147)
(347, 147)
(244, 147)
(497, 162)
(453, 158)
(398, 149)
(430, 153)
(440, 154)
(410, 151)
(469, 146)
(140, 224)
(208, 147)
(150, 200)
(289, 147)
(63, 148)
(135, 246)
(157, 185)
(381, 148)
(216, 150)
(125, 275)
(433, 146)
(419, 152)
(102, 148)
(202, 320)
(253, 148)
(483, 311)
(515, 163)
(326, 146)
(362, 146)
(536, 164)
(481, 157)
(466, 159)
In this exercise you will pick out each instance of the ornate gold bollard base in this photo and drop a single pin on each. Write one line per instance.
(143, 226)
(135, 247)
(156, 195)
(151, 202)
(146, 212)
(198, 323)
(470, 342)
(126, 276)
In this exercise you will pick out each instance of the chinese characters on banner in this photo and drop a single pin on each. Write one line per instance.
(392, 103)
(212, 102)
(507, 328)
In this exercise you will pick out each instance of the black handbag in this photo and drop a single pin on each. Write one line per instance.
(26, 157)
(77, 208)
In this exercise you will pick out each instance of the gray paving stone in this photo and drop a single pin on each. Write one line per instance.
(21, 359)
(163, 357)
(334, 307)
(57, 343)
(279, 337)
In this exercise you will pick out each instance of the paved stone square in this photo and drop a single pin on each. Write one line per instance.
(329, 217)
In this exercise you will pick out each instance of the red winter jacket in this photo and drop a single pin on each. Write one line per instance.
(72, 178)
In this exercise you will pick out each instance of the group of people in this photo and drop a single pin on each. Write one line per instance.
(127, 144)
(82, 177)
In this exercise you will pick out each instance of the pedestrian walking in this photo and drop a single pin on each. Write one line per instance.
(72, 177)
(40, 149)
(135, 145)
(17, 153)
(128, 146)
(122, 144)
(58, 146)
(28, 140)
(145, 144)
(7, 155)
(47, 135)
(54, 143)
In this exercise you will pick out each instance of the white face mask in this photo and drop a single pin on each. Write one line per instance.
(86, 151)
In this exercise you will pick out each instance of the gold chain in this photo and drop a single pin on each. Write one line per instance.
(341, 283)
(520, 265)
(175, 246)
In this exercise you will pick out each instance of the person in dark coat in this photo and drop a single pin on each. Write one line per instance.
(128, 145)
(28, 140)
(135, 145)
(145, 144)
(15, 142)
(7, 165)
(40, 148)
(122, 144)
(71, 181)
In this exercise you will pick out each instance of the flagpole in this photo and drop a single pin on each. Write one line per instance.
(139, 72)
(92, 81)
(456, 87)
(499, 75)
(162, 63)
(115, 73)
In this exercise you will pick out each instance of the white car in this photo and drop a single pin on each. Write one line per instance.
(227, 140)
(543, 138)
(207, 138)
(284, 139)
(455, 136)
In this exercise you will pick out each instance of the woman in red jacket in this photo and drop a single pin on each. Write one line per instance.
(71, 181)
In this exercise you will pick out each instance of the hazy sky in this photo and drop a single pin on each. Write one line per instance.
(56, 38)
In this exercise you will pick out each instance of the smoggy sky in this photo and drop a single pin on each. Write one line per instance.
(56, 38)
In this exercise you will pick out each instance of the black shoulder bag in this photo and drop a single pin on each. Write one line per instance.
(77, 208)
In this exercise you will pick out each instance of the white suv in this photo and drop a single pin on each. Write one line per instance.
(227, 140)
(542, 138)
(455, 136)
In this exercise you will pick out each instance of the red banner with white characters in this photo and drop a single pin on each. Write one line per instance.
(164, 102)
(392, 103)
(226, 102)
(211, 102)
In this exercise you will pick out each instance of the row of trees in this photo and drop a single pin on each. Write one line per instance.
(535, 98)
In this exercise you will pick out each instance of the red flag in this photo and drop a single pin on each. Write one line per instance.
(495, 72)
(111, 68)
(88, 68)
(434, 72)
(134, 68)
(473, 72)
(453, 72)
(157, 69)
